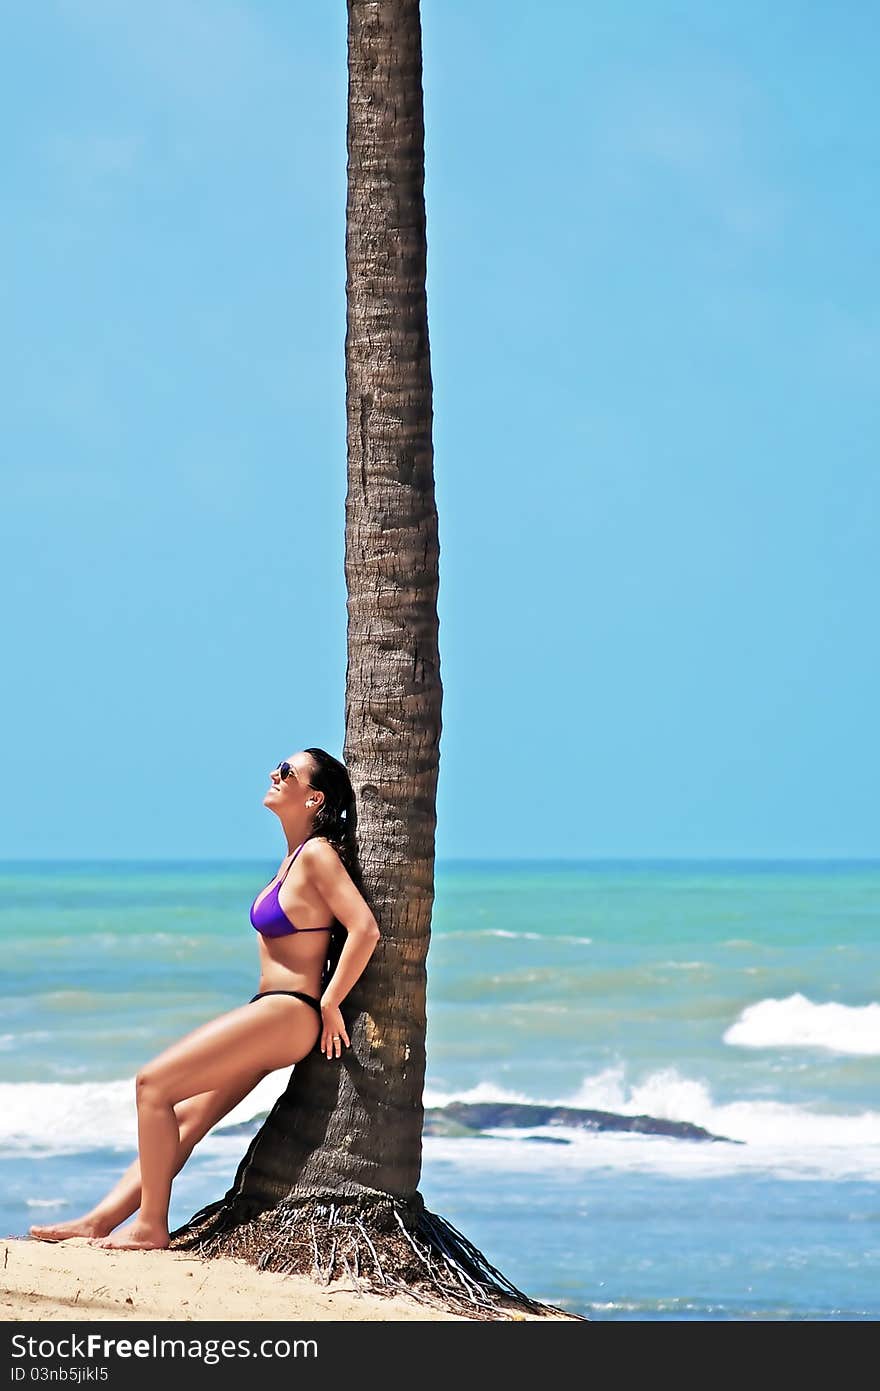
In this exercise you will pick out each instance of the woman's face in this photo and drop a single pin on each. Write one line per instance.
(293, 790)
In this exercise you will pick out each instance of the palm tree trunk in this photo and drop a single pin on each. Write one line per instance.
(333, 1173)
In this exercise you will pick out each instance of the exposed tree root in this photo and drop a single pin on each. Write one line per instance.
(384, 1245)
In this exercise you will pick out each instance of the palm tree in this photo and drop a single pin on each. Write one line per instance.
(331, 1180)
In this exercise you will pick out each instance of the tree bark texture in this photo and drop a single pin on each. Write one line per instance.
(393, 686)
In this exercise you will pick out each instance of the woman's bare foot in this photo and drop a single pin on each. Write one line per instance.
(137, 1236)
(78, 1226)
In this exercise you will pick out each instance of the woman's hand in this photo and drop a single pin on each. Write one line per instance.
(333, 1033)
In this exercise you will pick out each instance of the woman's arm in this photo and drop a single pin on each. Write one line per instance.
(348, 906)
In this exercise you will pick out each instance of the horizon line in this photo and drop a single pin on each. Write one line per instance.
(470, 859)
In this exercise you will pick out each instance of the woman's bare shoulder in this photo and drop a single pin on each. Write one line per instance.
(321, 850)
(324, 862)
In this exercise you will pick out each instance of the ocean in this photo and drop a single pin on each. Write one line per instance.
(739, 996)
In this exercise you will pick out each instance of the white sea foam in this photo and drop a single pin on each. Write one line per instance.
(797, 1022)
(787, 1140)
(483, 1091)
(69, 1117)
(531, 936)
(11, 1042)
(617, 1152)
(668, 1095)
(519, 936)
(503, 932)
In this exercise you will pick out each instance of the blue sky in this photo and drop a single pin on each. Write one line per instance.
(654, 317)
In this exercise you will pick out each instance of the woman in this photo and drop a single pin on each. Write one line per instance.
(187, 1089)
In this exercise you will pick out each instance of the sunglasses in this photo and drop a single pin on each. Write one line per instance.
(286, 770)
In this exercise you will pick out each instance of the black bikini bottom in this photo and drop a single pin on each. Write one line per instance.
(297, 995)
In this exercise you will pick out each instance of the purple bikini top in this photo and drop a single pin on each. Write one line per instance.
(270, 919)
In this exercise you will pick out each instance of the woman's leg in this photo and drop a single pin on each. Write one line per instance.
(195, 1117)
(273, 1032)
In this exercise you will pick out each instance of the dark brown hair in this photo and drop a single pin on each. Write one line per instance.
(336, 820)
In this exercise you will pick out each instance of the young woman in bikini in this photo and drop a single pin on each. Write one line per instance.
(312, 906)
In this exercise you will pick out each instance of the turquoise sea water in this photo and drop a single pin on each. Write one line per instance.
(739, 996)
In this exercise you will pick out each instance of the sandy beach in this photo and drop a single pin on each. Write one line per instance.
(72, 1280)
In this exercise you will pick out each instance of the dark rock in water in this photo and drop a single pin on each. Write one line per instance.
(475, 1116)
